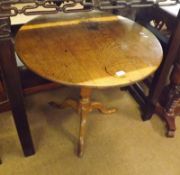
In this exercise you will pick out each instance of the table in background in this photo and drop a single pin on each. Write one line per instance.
(166, 27)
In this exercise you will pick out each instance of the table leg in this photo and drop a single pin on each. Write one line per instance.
(101, 108)
(12, 82)
(68, 103)
(83, 107)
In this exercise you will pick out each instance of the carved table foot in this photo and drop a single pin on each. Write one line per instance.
(170, 133)
(83, 107)
(99, 106)
(171, 126)
(67, 103)
(169, 119)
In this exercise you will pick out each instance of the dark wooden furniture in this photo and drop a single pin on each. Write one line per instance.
(13, 87)
(8, 65)
(169, 103)
(155, 101)
(68, 55)
(15, 82)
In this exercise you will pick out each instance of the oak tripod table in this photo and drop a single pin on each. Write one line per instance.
(88, 50)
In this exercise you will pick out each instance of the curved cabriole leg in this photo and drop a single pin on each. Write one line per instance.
(99, 106)
(83, 107)
(68, 103)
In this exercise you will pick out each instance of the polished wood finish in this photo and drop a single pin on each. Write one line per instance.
(88, 50)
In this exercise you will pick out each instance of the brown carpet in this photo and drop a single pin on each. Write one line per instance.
(117, 144)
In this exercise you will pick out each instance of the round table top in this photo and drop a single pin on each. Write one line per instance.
(91, 49)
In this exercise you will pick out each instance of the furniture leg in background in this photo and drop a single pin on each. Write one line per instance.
(161, 75)
(149, 102)
(13, 87)
(170, 99)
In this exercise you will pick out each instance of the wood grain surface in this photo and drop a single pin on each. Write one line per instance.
(94, 49)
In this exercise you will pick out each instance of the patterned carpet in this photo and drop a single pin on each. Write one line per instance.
(116, 144)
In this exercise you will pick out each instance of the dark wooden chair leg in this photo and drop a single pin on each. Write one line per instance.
(12, 82)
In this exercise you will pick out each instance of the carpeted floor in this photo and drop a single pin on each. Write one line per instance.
(116, 144)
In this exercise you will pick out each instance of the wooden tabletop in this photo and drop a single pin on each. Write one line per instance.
(92, 49)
